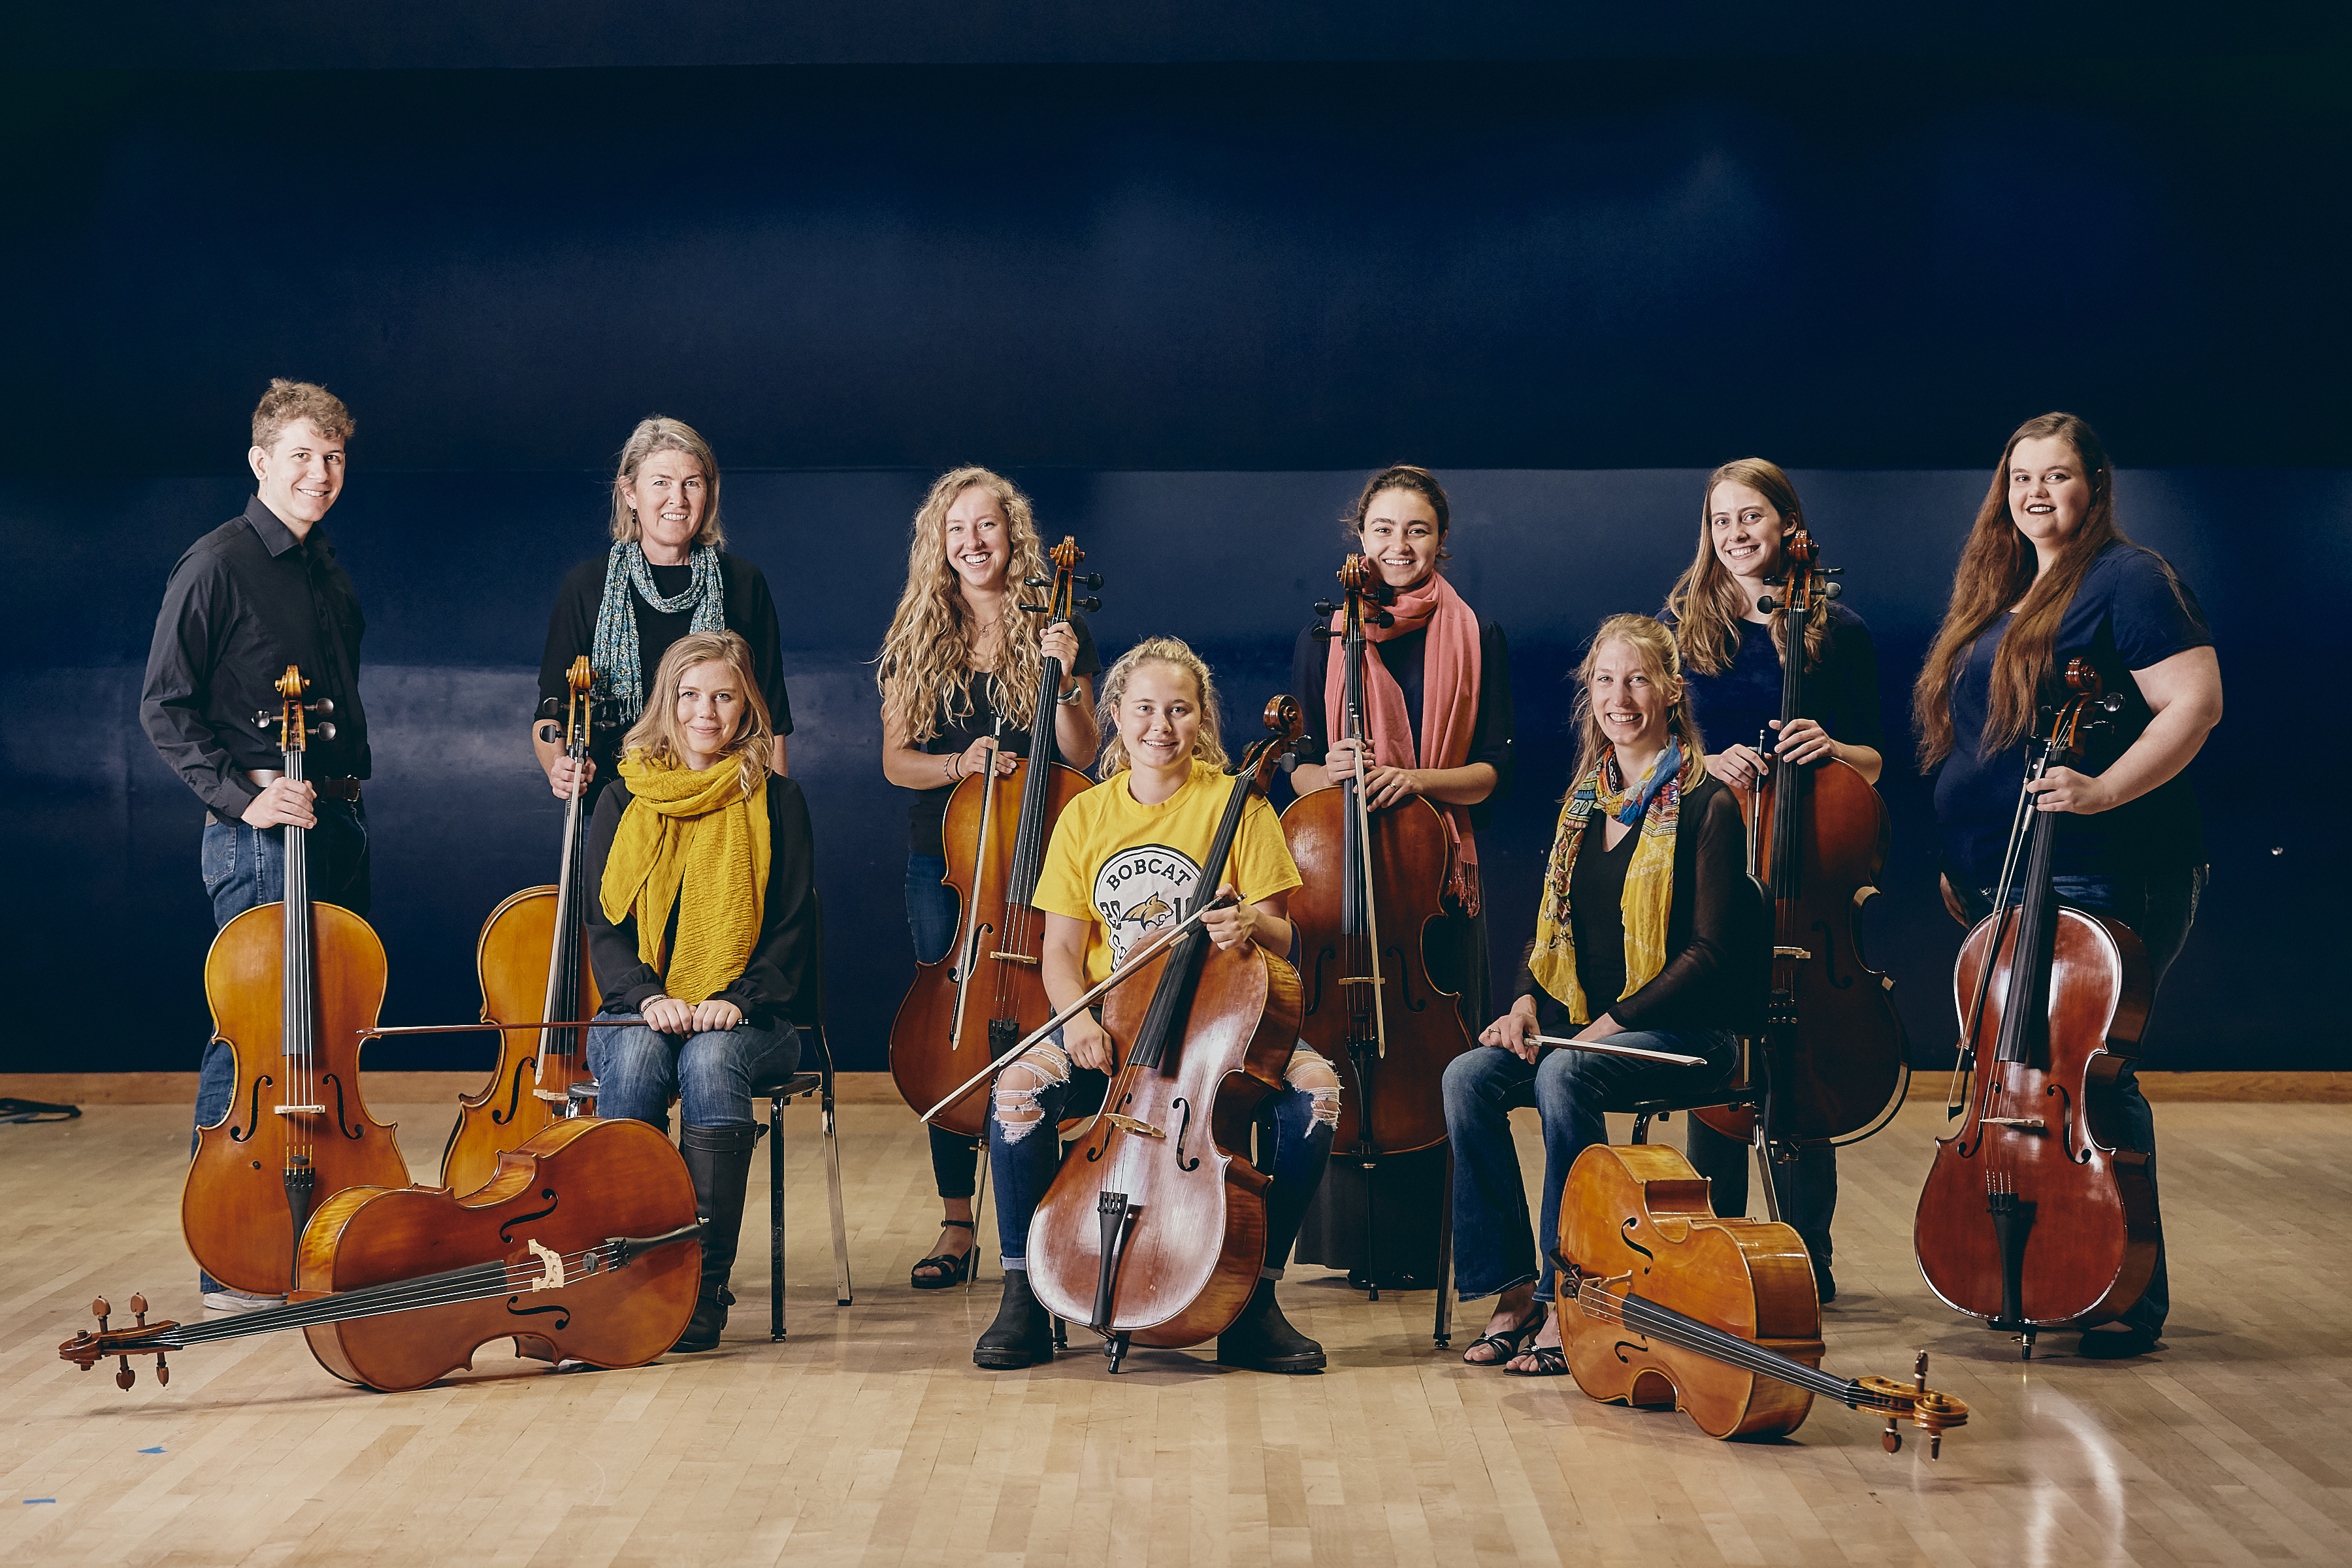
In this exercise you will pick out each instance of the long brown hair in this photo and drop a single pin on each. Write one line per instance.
(926, 662)
(1662, 662)
(1708, 603)
(1997, 569)
(656, 736)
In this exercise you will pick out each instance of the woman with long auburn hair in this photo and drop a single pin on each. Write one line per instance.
(703, 924)
(1437, 690)
(958, 672)
(2047, 576)
(1733, 654)
(1648, 933)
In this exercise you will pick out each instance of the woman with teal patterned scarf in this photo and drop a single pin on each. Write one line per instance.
(664, 576)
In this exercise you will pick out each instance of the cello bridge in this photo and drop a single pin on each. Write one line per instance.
(1364, 980)
(1014, 957)
(1799, 954)
(301, 1109)
(1130, 1124)
(2031, 1124)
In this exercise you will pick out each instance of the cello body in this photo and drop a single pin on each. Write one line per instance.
(533, 954)
(232, 1208)
(2087, 1207)
(2033, 1217)
(1004, 998)
(1424, 1023)
(513, 957)
(568, 1189)
(1194, 1255)
(1640, 1217)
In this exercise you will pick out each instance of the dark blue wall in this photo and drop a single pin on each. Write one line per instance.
(1188, 305)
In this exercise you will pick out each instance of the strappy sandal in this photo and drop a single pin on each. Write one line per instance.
(954, 1267)
(1551, 1360)
(1507, 1343)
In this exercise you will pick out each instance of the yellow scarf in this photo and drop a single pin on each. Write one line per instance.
(1656, 802)
(695, 842)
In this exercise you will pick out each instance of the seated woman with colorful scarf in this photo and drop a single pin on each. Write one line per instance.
(1647, 901)
(703, 926)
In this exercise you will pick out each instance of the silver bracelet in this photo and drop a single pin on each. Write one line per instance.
(1071, 695)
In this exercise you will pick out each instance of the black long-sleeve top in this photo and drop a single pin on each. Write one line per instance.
(748, 609)
(1717, 969)
(1404, 657)
(246, 601)
(774, 982)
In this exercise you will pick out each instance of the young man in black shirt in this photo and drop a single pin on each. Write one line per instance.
(260, 591)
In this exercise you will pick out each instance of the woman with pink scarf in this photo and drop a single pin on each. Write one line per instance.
(1437, 699)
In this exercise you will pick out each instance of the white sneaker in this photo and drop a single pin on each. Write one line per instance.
(227, 1301)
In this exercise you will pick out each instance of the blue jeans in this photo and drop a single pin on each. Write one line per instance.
(1023, 1163)
(931, 922)
(2159, 907)
(1494, 1249)
(638, 1070)
(245, 868)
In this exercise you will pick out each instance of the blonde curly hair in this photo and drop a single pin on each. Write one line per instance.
(926, 658)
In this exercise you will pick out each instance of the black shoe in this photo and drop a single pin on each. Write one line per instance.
(2114, 1344)
(720, 1161)
(1262, 1339)
(1022, 1334)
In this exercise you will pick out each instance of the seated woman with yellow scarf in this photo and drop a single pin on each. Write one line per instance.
(703, 864)
(1650, 934)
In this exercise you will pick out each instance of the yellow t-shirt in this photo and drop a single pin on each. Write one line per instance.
(1135, 869)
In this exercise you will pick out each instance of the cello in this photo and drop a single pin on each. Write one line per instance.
(2029, 1219)
(1372, 885)
(1663, 1303)
(573, 1248)
(989, 989)
(533, 954)
(291, 986)
(1836, 1065)
(1154, 1229)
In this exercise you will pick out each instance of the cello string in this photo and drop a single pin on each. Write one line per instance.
(1753, 1357)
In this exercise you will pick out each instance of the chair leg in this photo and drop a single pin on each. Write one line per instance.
(1764, 1173)
(979, 1205)
(833, 1187)
(1442, 1330)
(775, 1217)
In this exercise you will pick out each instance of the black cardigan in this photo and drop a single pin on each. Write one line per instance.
(1719, 968)
(776, 977)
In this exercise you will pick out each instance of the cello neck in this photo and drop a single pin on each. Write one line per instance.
(1675, 1329)
(2027, 1003)
(563, 994)
(298, 992)
(1044, 756)
(1796, 606)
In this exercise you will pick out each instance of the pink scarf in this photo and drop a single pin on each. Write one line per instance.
(1449, 706)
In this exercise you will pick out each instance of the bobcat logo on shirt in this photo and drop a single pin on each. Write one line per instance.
(1142, 891)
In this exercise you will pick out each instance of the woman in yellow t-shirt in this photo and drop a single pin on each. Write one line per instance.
(1125, 863)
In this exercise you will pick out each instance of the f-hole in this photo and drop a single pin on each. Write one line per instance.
(549, 1193)
(252, 1111)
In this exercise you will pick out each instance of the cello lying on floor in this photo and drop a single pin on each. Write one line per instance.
(571, 1249)
(1663, 1303)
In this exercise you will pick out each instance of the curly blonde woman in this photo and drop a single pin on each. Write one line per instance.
(958, 673)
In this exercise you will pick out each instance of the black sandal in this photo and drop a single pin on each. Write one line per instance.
(1507, 1343)
(1551, 1360)
(956, 1265)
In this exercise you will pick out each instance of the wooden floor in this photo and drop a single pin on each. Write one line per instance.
(870, 1437)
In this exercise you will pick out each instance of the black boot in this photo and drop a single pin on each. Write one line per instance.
(720, 1161)
(1263, 1339)
(1022, 1334)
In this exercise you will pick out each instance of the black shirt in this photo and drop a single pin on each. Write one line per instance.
(1403, 657)
(1596, 912)
(775, 986)
(246, 601)
(926, 817)
(2126, 615)
(1840, 693)
(1717, 966)
(747, 607)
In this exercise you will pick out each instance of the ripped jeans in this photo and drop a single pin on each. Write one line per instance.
(1034, 1093)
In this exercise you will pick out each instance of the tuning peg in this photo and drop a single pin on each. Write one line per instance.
(1777, 582)
(1832, 571)
(324, 732)
(1091, 580)
(139, 1306)
(1326, 607)
(2113, 702)
(264, 719)
(1038, 583)
(1832, 590)
(98, 1308)
(1768, 604)
(322, 708)
(1381, 619)
(1089, 603)
(1320, 632)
